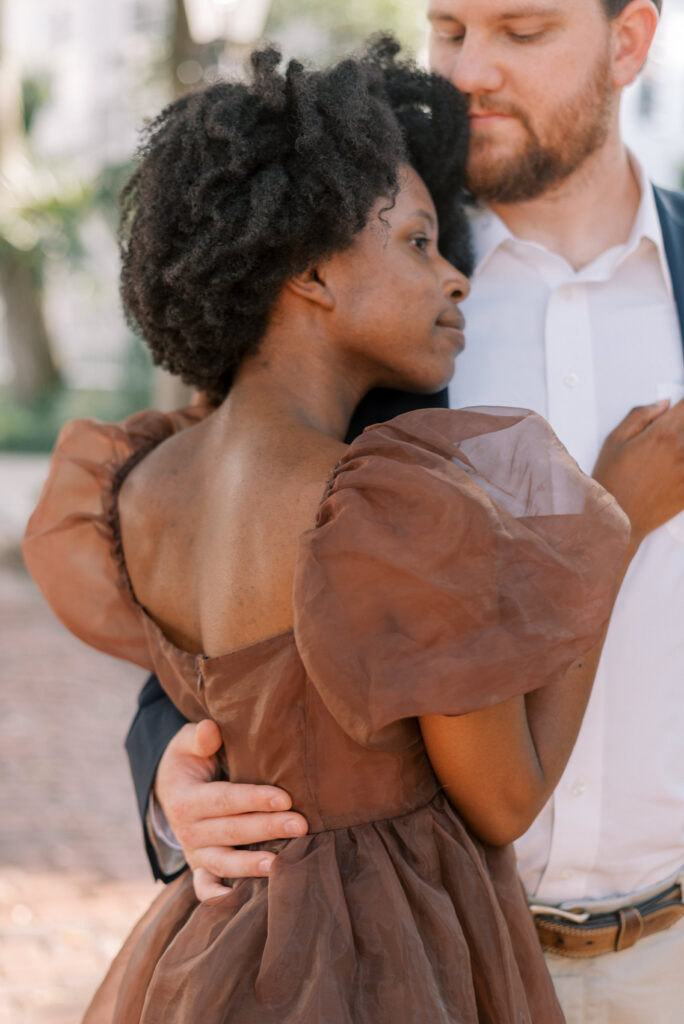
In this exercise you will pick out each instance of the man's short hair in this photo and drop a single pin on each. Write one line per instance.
(613, 7)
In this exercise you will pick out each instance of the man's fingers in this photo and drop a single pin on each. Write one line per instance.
(207, 886)
(222, 799)
(221, 863)
(241, 830)
(206, 738)
(196, 739)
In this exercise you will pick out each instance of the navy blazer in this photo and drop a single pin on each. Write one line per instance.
(670, 207)
(157, 719)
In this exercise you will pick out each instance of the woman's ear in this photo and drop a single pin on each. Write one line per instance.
(313, 286)
(633, 30)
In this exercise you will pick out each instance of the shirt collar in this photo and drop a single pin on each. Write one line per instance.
(647, 223)
(490, 233)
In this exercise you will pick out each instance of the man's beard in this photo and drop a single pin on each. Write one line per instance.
(579, 127)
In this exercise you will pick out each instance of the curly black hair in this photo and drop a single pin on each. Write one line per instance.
(239, 187)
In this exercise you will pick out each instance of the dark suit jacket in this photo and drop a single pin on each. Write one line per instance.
(157, 720)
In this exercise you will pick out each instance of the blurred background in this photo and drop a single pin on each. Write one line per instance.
(77, 79)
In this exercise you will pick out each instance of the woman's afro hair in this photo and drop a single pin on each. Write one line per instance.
(239, 187)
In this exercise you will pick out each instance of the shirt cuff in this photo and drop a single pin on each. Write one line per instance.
(167, 848)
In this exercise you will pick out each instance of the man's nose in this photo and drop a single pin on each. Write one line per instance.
(474, 68)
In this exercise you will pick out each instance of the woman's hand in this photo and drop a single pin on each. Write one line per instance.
(642, 465)
(211, 818)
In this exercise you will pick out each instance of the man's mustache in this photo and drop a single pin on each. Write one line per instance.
(484, 104)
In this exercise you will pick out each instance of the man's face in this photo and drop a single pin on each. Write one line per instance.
(538, 76)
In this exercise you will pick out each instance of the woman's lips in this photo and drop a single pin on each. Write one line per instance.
(454, 324)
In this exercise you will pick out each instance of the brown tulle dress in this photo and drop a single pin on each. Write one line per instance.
(459, 559)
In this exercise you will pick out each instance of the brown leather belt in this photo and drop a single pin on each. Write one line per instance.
(578, 934)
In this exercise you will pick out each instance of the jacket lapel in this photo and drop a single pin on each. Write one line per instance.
(670, 206)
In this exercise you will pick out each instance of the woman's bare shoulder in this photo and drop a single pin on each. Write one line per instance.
(210, 531)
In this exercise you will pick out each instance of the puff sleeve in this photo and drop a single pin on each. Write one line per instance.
(459, 558)
(72, 547)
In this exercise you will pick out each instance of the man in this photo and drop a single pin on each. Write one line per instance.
(577, 311)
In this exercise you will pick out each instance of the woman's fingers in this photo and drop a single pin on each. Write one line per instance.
(639, 418)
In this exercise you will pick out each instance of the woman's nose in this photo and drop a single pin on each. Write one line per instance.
(456, 284)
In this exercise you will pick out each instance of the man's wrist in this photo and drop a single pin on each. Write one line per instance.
(160, 834)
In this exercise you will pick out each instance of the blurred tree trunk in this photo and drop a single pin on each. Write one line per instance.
(183, 47)
(35, 370)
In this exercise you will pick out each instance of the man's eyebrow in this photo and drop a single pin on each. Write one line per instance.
(532, 11)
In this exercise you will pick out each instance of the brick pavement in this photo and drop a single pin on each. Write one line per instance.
(72, 873)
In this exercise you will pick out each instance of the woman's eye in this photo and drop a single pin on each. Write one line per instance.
(420, 242)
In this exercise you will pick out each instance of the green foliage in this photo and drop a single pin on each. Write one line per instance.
(108, 185)
(34, 427)
(47, 224)
(35, 93)
(348, 23)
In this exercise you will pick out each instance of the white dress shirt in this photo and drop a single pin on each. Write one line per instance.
(582, 348)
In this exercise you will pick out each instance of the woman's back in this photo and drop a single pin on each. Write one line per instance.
(210, 523)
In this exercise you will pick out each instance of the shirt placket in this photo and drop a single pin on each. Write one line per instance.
(576, 830)
(570, 377)
(573, 414)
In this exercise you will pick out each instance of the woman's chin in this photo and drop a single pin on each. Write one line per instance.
(430, 381)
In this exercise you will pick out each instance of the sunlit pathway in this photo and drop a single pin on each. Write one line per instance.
(73, 877)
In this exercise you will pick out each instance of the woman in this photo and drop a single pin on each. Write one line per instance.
(328, 605)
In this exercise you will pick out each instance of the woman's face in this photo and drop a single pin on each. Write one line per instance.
(398, 297)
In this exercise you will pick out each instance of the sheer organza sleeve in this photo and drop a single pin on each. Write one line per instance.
(460, 558)
(72, 546)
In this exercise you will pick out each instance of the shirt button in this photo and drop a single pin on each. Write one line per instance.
(566, 875)
(571, 380)
(578, 789)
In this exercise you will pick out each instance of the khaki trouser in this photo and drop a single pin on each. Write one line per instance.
(640, 985)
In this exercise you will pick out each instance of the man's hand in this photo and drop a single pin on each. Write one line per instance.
(209, 818)
(642, 465)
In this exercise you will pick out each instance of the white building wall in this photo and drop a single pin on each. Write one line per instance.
(96, 57)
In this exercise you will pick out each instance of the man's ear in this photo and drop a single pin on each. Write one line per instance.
(313, 286)
(633, 30)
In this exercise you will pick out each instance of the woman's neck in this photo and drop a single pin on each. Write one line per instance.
(295, 385)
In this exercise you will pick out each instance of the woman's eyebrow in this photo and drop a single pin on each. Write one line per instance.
(426, 214)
